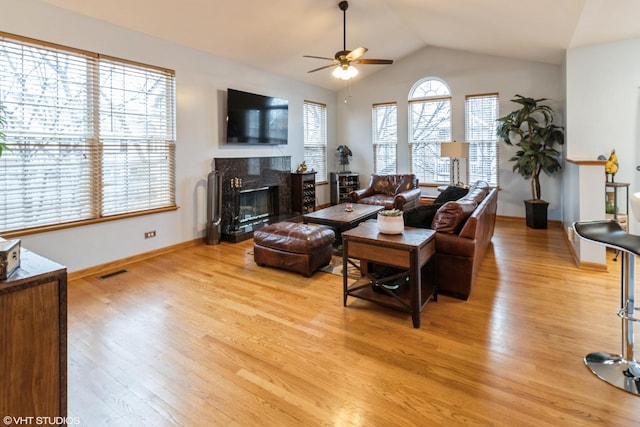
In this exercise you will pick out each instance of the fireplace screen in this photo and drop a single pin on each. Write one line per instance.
(252, 208)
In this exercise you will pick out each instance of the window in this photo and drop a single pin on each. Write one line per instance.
(90, 136)
(481, 113)
(315, 138)
(385, 138)
(429, 125)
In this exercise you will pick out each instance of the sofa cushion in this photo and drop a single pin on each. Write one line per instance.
(452, 215)
(391, 185)
(382, 185)
(405, 183)
(421, 216)
(378, 200)
(478, 191)
(451, 193)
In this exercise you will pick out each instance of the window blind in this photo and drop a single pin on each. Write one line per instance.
(136, 138)
(481, 113)
(89, 136)
(385, 138)
(429, 125)
(315, 138)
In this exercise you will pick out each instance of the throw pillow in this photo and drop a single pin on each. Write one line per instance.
(451, 193)
(452, 215)
(421, 216)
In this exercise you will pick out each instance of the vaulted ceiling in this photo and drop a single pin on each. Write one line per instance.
(273, 35)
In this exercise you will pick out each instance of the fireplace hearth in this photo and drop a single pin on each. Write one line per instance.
(256, 191)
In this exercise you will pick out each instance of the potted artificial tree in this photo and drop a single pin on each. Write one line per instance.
(531, 129)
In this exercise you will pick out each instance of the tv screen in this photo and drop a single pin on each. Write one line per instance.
(256, 119)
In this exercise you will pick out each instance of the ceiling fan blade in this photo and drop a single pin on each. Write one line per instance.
(356, 53)
(318, 57)
(322, 68)
(373, 61)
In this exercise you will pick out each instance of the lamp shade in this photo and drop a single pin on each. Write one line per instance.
(455, 150)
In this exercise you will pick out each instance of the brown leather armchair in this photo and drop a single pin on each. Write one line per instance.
(391, 191)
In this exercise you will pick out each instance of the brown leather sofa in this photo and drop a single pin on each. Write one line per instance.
(391, 191)
(464, 229)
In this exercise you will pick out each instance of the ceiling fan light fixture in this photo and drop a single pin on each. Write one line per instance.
(345, 72)
(343, 59)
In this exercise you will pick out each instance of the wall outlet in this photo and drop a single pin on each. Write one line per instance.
(150, 234)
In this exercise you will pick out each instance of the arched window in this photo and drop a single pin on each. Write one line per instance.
(429, 125)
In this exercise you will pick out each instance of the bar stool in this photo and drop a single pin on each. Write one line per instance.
(620, 370)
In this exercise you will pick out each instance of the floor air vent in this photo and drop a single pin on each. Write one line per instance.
(114, 273)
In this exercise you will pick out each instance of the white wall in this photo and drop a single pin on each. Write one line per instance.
(466, 74)
(200, 80)
(603, 106)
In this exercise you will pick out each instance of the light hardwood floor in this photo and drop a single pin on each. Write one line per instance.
(202, 336)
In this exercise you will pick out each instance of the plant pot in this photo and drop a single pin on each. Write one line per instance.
(536, 213)
(390, 224)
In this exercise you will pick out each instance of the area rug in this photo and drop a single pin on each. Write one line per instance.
(335, 267)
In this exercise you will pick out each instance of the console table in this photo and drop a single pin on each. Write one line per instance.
(410, 251)
(33, 338)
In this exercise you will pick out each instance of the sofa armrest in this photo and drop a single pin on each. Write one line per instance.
(356, 195)
(407, 199)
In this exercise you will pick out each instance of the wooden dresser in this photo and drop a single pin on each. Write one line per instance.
(33, 339)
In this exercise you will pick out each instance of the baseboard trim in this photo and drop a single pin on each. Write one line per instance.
(581, 264)
(552, 222)
(592, 266)
(118, 264)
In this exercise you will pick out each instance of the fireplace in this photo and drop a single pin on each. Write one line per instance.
(256, 191)
(253, 208)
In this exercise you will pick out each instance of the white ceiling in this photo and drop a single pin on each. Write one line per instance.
(274, 35)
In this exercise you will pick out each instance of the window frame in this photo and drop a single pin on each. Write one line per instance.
(486, 136)
(381, 144)
(91, 143)
(315, 140)
(427, 151)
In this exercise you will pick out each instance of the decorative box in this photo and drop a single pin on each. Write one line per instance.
(9, 257)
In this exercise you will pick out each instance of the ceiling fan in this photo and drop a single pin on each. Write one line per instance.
(343, 59)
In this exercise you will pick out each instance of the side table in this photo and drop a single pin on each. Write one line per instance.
(410, 251)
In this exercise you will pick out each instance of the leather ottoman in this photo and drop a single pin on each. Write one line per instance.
(292, 246)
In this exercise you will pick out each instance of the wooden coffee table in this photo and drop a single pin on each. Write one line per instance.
(338, 218)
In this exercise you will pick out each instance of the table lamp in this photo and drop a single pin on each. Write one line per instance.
(455, 151)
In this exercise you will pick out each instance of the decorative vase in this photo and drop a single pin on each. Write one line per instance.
(390, 224)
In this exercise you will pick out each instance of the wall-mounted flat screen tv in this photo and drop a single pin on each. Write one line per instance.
(256, 119)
